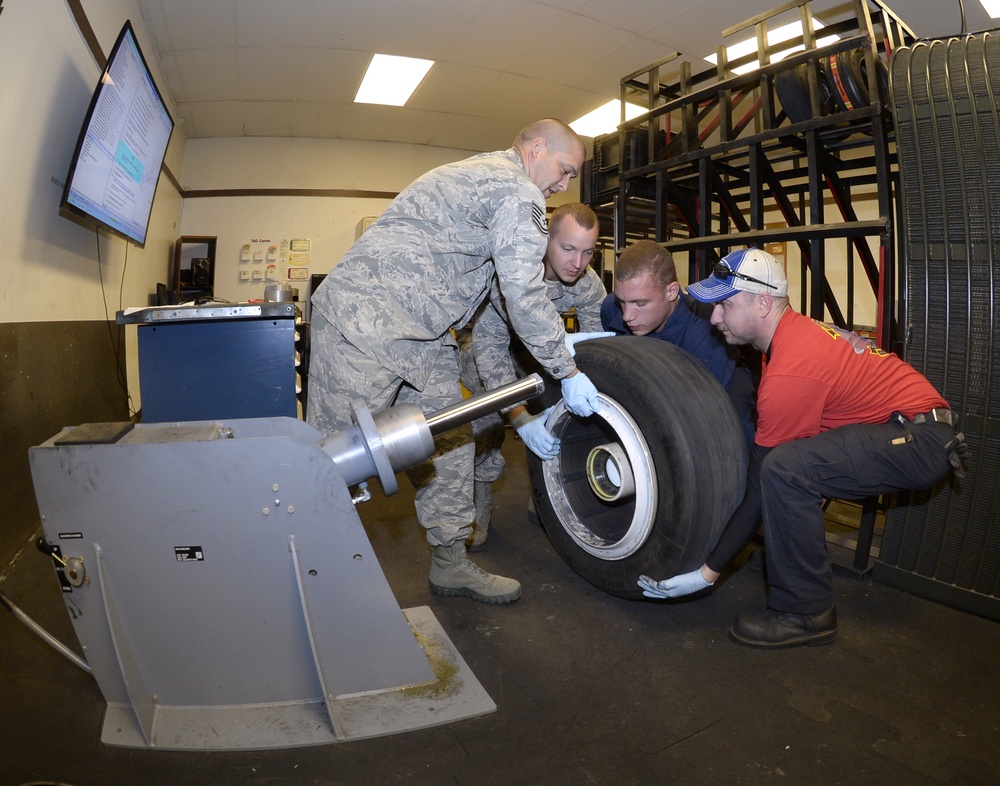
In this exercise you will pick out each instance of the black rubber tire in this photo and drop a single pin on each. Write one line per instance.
(847, 78)
(698, 462)
(792, 88)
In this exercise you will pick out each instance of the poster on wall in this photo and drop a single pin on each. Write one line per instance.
(263, 259)
(259, 260)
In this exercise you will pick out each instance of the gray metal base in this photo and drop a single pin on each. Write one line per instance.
(455, 695)
(226, 594)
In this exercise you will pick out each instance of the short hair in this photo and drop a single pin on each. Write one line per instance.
(643, 256)
(557, 135)
(582, 214)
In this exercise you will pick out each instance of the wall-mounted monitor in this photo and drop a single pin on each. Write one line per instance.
(116, 166)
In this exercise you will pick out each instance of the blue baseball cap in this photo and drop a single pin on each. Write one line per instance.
(747, 270)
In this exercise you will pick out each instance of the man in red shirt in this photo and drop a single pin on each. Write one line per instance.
(837, 418)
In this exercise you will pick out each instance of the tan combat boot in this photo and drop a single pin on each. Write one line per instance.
(453, 574)
(483, 497)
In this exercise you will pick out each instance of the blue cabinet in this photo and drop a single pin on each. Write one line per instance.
(217, 361)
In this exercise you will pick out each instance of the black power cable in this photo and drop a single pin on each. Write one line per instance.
(115, 339)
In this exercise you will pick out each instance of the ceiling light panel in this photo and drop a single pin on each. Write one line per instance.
(391, 80)
(992, 7)
(774, 37)
(605, 119)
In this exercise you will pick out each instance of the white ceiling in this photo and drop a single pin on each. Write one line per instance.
(291, 67)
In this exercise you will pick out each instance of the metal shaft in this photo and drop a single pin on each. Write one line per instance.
(484, 404)
(401, 437)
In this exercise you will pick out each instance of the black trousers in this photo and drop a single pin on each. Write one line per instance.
(850, 462)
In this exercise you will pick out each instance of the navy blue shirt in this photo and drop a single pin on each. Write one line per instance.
(689, 331)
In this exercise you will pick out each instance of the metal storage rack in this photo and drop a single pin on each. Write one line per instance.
(719, 150)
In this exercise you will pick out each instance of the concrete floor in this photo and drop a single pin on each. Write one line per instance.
(590, 689)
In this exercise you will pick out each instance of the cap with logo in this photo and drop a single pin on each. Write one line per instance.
(747, 270)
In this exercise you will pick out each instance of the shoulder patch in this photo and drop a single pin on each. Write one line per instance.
(538, 218)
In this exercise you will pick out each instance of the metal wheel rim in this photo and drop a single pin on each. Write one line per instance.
(567, 505)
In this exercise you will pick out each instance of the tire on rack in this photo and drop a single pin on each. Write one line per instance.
(792, 88)
(847, 78)
(668, 425)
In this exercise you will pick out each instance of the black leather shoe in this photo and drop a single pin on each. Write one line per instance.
(773, 630)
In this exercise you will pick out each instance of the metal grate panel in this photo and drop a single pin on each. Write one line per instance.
(945, 543)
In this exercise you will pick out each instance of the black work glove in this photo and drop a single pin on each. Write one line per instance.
(956, 448)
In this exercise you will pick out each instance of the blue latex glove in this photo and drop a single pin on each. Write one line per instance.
(674, 587)
(572, 339)
(531, 429)
(580, 395)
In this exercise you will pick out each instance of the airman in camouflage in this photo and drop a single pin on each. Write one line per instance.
(382, 319)
(489, 360)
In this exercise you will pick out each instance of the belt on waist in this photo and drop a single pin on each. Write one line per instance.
(938, 415)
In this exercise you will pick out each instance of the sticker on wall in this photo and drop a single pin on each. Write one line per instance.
(245, 274)
(272, 273)
(299, 249)
(258, 274)
(246, 253)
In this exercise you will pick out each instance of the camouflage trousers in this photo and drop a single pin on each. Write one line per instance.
(488, 431)
(340, 372)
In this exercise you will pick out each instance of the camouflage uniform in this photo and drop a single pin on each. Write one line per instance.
(492, 359)
(491, 336)
(382, 317)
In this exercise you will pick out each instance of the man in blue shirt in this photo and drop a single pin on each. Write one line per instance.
(647, 301)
